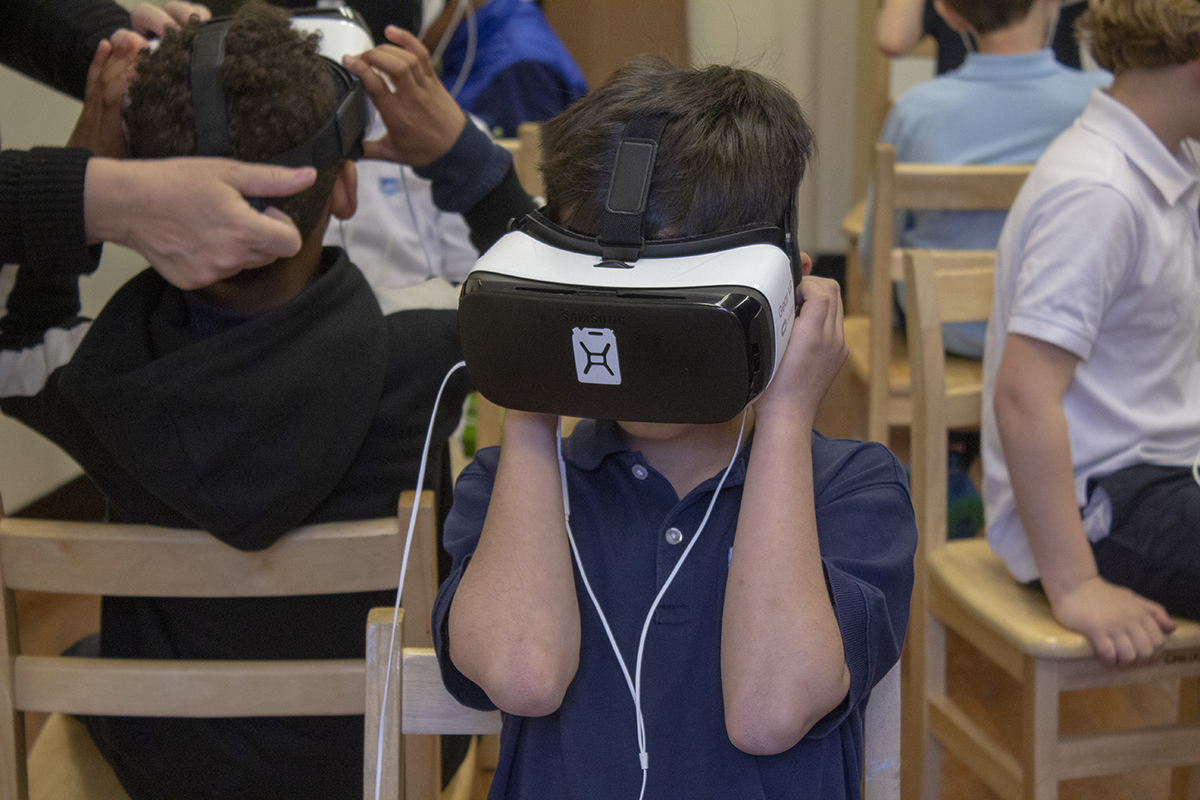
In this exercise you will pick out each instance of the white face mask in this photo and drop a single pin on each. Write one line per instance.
(430, 10)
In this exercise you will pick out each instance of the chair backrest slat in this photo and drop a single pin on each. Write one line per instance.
(149, 688)
(951, 187)
(145, 561)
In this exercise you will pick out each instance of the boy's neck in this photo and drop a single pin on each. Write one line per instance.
(1027, 36)
(686, 455)
(1166, 99)
(264, 288)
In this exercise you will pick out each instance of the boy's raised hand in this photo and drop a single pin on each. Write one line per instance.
(113, 66)
(815, 352)
(422, 119)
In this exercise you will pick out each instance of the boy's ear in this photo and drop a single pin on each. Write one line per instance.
(343, 200)
(952, 17)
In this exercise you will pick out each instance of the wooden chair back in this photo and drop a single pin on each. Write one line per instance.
(962, 586)
(877, 356)
(416, 704)
(140, 560)
(422, 706)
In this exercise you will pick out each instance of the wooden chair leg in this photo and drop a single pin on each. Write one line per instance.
(1039, 730)
(423, 765)
(1185, 781)
(935, 686)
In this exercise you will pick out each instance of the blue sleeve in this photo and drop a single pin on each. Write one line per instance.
(460, 536)
(526, 91)
(476, 178)
(868, 539)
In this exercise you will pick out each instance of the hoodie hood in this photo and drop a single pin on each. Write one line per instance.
(244, 432)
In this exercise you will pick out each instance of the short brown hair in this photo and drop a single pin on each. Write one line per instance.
(278, 92)
(1141, 34)
(986, 16)
(733, 152)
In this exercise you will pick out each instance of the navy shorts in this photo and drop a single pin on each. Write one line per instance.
(1153, 547)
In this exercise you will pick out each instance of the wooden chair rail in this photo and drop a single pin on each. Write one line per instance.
(127, 560)
(152, 688)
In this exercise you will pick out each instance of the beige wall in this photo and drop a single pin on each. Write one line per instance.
(809, 47)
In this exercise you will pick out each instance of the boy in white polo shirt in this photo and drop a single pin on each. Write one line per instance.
(1092, 362)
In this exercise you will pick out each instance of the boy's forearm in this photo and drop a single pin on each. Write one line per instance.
(514, 622)
(1033, 431)
(782, 663)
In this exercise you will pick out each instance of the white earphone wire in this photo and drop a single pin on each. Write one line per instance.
(635, 683)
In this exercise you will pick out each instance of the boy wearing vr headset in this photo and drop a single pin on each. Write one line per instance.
(751, 675)
(284, 396)
(1091, 424)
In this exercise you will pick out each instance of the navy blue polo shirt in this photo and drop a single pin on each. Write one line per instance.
(631, 529)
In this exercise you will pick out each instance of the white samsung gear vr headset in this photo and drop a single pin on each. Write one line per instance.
(618, 327)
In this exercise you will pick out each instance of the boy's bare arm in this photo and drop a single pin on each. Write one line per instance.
(899, 26)
(1123, 627)
(514, 621)
(782, 663)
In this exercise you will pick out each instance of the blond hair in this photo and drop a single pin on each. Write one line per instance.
(1141, 34)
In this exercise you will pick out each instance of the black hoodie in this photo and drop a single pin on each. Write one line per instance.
(314, 411)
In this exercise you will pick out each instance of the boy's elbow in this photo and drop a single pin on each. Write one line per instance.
(533, 692)
(763, 726)
(531, 685)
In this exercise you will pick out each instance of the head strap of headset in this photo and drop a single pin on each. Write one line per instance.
(622, 239)
(340, 137)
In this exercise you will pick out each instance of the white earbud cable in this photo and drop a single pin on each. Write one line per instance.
(635, 683)
(412, 523)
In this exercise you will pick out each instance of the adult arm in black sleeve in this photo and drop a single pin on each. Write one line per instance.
(53, 41)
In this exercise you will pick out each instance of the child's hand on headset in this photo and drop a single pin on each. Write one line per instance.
(113, 66)
(422, 119)
(815, 352)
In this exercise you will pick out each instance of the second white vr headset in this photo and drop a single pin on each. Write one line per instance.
(617, 327)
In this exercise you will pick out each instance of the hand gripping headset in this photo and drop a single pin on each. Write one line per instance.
(617, 327)
(342, 32)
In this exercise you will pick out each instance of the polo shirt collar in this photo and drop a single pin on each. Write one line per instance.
(1113, 120)
(590, 442)
(1009, 67)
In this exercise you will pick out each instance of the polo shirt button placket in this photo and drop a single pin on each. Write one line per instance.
(640, 472)
(674, 536)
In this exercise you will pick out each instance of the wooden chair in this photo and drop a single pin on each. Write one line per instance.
(878, 358)
(962, 586)
(139, 560)
(418, 703)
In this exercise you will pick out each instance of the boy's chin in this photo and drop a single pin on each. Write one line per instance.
(655, 430)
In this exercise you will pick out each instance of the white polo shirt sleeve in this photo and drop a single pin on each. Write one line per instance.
(1080, 243)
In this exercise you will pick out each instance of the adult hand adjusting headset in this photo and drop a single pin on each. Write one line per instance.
(340, 137)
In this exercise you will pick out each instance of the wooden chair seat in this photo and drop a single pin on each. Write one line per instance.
(974, 581)
(964, 376)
